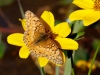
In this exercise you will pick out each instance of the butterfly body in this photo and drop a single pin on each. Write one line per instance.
(39, 41)
(44, 36)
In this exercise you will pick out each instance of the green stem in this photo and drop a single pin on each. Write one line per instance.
(89, 72)
(57, 70)
(21, 9)
(42, 71)
(72, 63)
(68, 67)
(0, 36)
(67, 70)
(73, 72)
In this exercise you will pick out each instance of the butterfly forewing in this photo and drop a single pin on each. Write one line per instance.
(33, 28)
(46, 47)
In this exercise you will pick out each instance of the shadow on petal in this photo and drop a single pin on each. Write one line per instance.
(48, 18)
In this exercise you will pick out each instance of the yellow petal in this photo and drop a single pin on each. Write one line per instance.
(62, 29)
(67, 43)
(42, 61)
(23, 21)
(16, 39)
(79, 14)
(85, 4)
(48, 18)
(24, 52)
(91, 18)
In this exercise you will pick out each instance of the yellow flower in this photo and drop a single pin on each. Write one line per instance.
(81, 63)
(93, 67)
(84, 64)
(61, 29)
(89, 13)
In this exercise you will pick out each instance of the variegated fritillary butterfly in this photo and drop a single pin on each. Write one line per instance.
(39, 42)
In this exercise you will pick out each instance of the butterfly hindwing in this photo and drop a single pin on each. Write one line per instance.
(48, 49)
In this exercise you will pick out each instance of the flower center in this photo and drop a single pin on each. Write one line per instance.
(97, 5)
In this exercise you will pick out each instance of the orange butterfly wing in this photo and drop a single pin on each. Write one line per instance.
(46, 48)
(34, 28)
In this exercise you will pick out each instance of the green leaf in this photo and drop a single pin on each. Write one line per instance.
(79, 34)
(78, 26)
(5, 2)
(78, 38)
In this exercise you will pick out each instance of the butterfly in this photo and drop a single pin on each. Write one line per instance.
(38, 40)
